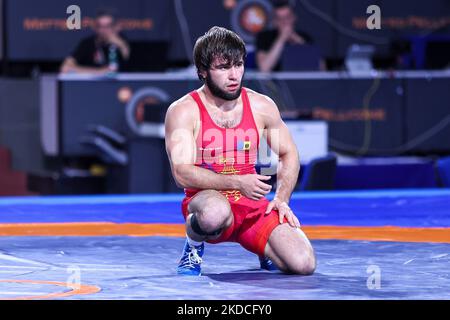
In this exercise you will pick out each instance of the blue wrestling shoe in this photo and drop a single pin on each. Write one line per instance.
(191, 260)
(267, 264)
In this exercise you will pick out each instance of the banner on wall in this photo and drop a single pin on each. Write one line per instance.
(40, 32)
(400, 20)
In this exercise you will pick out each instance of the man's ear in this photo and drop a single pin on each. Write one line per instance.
(202, 75)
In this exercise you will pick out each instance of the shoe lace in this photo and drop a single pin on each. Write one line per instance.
(266, 262)
(192, 259)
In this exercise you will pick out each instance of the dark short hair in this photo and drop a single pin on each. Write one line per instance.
(218, 42)
(106, 12)
(281, 4)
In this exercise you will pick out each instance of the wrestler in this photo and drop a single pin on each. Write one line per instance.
(212, 140)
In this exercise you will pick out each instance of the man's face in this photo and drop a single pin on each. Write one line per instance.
(105, 27)
(284, 17)
(224, 79)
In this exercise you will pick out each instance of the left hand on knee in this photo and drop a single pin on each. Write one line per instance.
(283, 211)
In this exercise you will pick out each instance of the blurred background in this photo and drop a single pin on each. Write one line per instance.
(82, 110)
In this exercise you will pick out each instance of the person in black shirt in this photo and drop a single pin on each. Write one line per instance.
(270, 43)
(106, 51)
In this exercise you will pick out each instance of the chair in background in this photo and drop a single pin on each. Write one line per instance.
(320, 174)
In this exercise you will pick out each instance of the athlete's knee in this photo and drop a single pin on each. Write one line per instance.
(204, 223)
(303, 262)
(214, 214)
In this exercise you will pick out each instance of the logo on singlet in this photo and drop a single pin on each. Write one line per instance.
(228, 166)
(232, 195)
(244, 145)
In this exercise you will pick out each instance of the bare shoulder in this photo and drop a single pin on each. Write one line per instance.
(183, 110)
(263, 105)
(260, 102)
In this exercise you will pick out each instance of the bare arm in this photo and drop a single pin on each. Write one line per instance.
(267, 60)
(71, 65)
(121, 44)
(280, 140)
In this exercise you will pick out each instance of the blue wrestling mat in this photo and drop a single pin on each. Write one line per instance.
(369, 245)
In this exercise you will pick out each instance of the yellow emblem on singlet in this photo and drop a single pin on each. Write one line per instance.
(232, 195)
(228, 166)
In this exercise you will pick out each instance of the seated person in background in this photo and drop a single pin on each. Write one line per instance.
(106, 51)
(271, 43)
